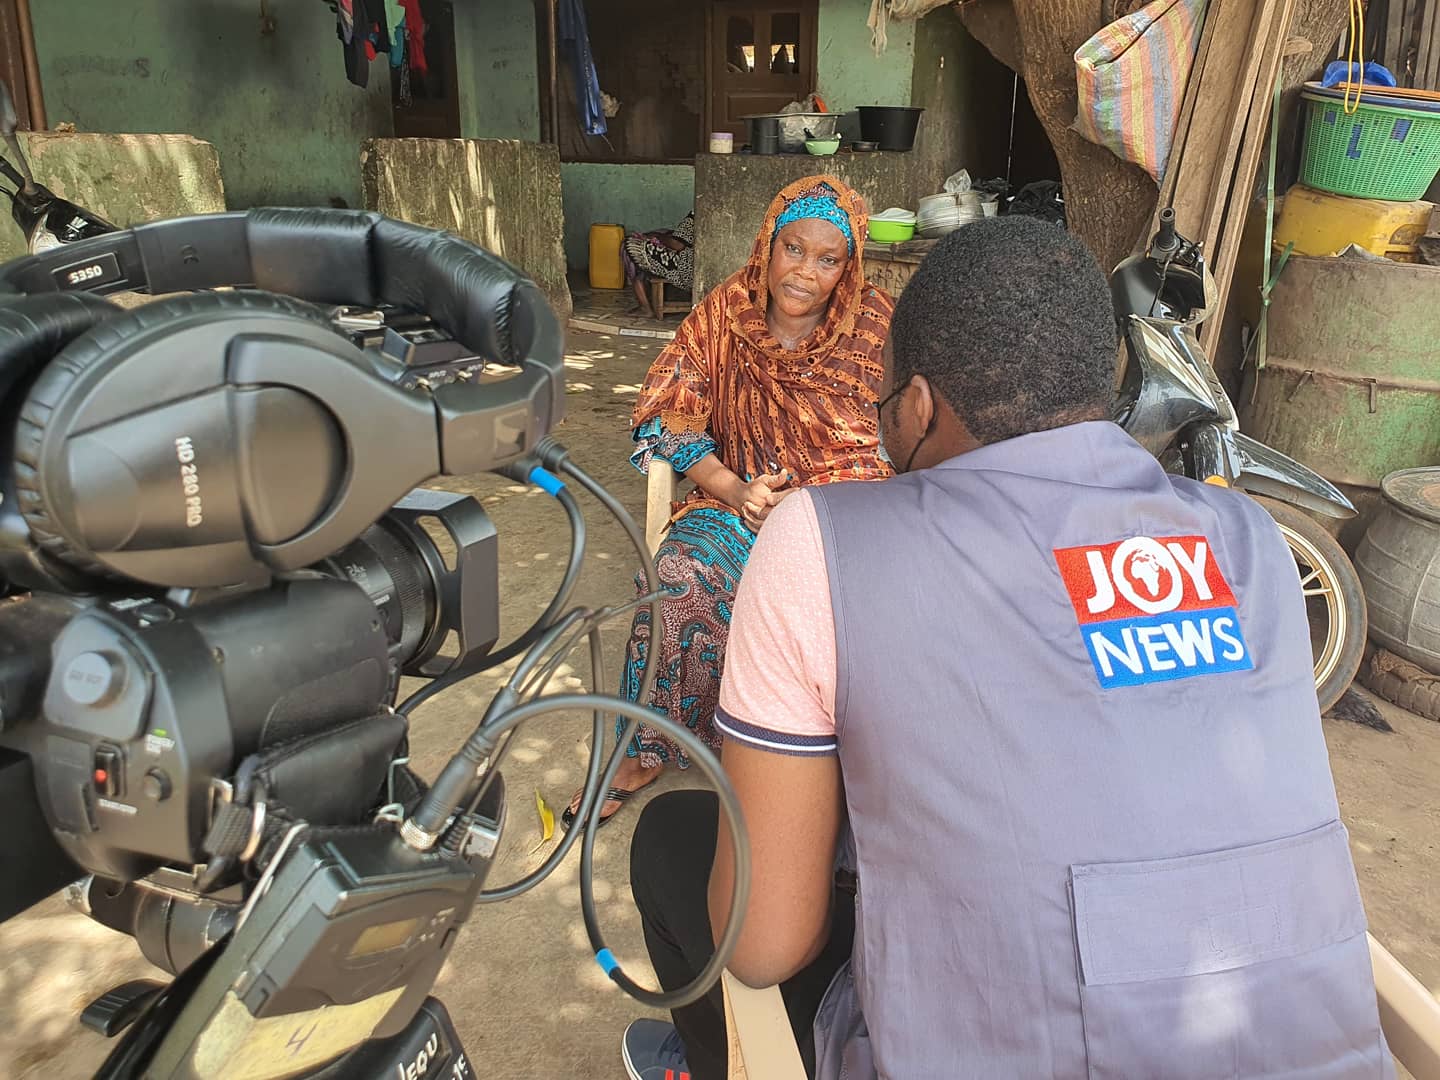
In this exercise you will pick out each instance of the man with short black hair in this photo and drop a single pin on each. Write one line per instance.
(1052, 708)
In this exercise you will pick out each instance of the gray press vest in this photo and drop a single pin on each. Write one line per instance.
(1093, 820)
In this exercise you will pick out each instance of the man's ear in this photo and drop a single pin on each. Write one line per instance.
(926, 404)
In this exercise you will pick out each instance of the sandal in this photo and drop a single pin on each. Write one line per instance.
(619, 795)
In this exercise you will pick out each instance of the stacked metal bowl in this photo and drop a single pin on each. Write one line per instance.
(940, 215)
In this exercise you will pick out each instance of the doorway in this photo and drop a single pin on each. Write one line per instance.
(762, 56)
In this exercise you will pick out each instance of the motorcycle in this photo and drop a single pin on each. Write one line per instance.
(1173, 404)
(45, 219)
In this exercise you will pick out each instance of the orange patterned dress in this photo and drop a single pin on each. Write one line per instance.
(726, 386)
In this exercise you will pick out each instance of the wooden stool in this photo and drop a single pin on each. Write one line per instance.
(663, 307)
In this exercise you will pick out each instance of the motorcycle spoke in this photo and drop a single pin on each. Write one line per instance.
(1309, 578)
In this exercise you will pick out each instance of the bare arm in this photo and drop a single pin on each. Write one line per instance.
(752, 500)
(716, 480)
(792, 812)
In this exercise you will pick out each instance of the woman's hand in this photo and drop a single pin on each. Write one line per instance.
(752, 500)
(761, 496)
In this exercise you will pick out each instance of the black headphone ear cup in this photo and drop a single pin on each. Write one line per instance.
(34, 328)
(94, 348)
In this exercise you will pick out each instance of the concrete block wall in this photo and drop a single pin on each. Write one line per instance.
(500, 194)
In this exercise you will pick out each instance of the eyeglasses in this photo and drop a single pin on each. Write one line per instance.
(880, 406)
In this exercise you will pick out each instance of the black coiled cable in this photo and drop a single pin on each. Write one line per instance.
(487, 744)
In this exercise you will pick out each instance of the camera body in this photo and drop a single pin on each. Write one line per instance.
(216, 582)
(134, 708)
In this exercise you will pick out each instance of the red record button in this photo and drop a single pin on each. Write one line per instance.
(107, 771)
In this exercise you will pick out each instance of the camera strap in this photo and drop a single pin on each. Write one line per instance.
(338, 776)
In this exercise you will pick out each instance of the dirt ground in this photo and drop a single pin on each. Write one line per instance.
(522, 987)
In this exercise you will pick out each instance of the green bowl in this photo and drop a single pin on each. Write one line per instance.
(892, 232)
(822, 147)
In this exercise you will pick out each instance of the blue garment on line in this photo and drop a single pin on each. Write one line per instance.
(574, 40)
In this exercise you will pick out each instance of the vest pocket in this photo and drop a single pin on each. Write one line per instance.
(842, 1041)
(1246, 962)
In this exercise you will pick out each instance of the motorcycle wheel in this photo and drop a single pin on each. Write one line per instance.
(1334, 600)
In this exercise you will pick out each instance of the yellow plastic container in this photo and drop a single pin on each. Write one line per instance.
(606, 269)
(1323, 224)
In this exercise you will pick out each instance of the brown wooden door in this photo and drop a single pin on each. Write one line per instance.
(762, 57)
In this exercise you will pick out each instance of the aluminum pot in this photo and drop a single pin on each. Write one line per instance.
(794, 125)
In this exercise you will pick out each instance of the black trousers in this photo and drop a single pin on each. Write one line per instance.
(670, 859)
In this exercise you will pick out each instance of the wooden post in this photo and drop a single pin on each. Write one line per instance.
(552, 20)
(32, 66)
(1234, 202)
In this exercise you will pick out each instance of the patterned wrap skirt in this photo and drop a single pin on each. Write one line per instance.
(699, 566)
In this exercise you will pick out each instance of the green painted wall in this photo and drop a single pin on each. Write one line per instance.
(497, 65)
(849, 73)
(640, 197)
(277, 107)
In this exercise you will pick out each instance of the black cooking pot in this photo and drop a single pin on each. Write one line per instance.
(893, 127)
(764, 134)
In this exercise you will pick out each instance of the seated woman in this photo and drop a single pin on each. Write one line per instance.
(770, 385)
(667, 256)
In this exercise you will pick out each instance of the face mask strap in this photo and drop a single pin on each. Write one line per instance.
(880, 424)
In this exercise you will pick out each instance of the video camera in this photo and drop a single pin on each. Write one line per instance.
(218, 567)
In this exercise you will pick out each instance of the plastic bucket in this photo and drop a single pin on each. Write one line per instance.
(893, 127)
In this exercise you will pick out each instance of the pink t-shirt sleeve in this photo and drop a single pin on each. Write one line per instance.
(778, 692)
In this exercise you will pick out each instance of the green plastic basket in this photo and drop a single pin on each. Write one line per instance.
(1377, 152)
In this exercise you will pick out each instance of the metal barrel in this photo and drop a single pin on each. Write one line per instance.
(1352, 384)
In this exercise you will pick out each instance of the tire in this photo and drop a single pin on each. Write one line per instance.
(1334, 600)
(1403, 684)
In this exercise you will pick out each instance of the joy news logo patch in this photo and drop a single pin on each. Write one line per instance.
(1152, 609)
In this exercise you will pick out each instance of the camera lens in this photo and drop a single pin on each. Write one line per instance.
(389, 563)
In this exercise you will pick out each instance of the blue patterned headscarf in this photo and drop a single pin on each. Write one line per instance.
(823, 207)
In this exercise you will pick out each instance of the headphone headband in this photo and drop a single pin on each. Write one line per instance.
(254, 365)
(325, 256)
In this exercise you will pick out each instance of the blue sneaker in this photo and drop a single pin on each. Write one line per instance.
(654, 1051)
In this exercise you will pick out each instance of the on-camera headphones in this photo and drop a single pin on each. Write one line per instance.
(216, 438)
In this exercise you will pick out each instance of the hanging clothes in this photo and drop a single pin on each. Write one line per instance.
(397, 46)
(351, 18)
(364, 34)
(415, 36)
(379, 37)
(574, 42)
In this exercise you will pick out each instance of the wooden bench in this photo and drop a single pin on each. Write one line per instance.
(662, 306)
